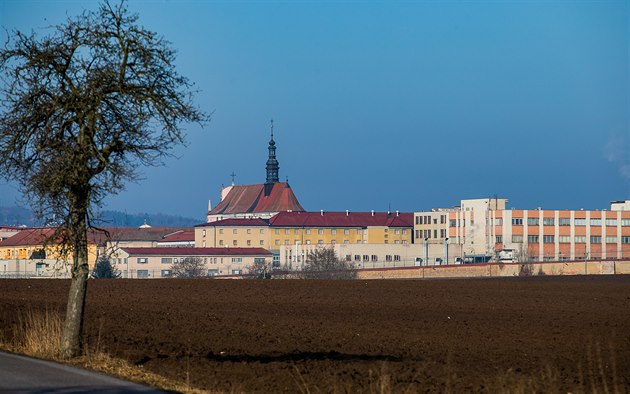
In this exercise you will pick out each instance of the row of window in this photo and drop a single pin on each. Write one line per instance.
(552, 222)
(235, 242)
(567, 222)
(578, 239)
(373, 258)
(427, 233)
(171, 260)
(426, 219)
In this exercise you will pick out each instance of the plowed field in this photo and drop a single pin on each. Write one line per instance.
(551, 333)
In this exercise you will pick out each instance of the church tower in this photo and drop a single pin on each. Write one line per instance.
(272, 165)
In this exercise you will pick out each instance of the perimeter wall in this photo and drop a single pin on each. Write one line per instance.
(591, 267)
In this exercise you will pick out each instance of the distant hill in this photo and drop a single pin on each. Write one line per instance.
(16, 216)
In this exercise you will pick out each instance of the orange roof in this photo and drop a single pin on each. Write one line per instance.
(252, 199)
(179, 236)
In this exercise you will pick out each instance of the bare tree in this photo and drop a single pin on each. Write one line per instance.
(260, 269)
(188, 267)
(323, 263)
(80, 110)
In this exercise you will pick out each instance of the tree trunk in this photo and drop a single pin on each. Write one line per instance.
(71, 341)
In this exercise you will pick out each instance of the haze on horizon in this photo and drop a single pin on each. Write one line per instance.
(377, 105)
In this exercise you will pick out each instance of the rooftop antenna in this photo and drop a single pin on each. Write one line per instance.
(233, 175)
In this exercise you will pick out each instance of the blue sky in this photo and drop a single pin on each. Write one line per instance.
(401, 104)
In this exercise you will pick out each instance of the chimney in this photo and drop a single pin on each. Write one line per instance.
(322, 212)
(347, 212)
(397, 213)
(372, 212)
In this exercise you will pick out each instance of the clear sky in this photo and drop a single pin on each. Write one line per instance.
(402, 104)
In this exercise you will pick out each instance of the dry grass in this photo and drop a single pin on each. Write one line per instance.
(38, 334)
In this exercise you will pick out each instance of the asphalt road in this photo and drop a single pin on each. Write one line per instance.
(20, 374)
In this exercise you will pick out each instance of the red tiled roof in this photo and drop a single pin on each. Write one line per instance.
(252, 199)
(237, 222)
(179, 236)
(39, 236)
(197, 251)
(118, 234)
(341, 219)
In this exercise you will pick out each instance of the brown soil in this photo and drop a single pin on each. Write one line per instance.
(554, 333)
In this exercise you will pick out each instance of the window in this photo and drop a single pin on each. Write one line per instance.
(165, 273)
(418, 235)
(397, 231)
(498, 221)
(443, 233)
(579, 239)
(249, 231)
(348, 257)
(517, 221)
(357, 257)
(611, 240)
(388, 257)
(442, 219)
(142, 260)
(417, 219)
(596, 222)
(346, 232)
(396, 242)
(277, 242)
(548, 239)
(213, 272)
(532, 239)
(499, 239)
(296, 232)
(237, 259)
(625, 240)
(435, 234)
(320, 231)
(374, 257)
(142, 274)
(277, 231)
(320, 242)
(611, 222)
(220, 231)
(262, 231)
(346, 242)
(167, 260)
(564, 239)
(249, 242)
(235, 242)
(548, 221)
(625, 222)
(286, 231)
(333, 231)
(579, 222)
(262, 242)
(203, 233)
(358, 231)
(234, 231)
(286, 241)
(532, 221)
(396, 257)
(366, 257)
(452, 223)
(564, 222)
(596, 239)
(308, 231)
(236, 272)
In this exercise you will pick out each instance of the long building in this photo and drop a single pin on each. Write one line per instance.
(485, 229)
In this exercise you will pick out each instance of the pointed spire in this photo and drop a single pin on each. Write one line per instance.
(272, 162)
